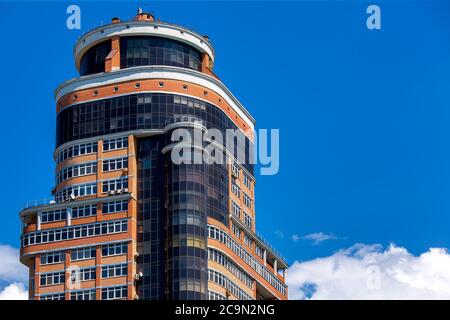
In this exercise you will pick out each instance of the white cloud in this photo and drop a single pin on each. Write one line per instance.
(372, 272)
(15, 291)
(10, 267)
(316, 238)
(13, 273)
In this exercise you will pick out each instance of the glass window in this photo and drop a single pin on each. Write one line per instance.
(115, 206)
(115, 144)
(83, 295)
(115, 164)
(53, 257)
(114, 249)
(111, 293)
(74, 232)
(147, 50)
(84, 211)
(82, 253)
(93, 61)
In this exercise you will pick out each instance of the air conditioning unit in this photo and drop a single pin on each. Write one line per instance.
(111, 192)
(136, 297)
(52, 202)
(137, 277)
(125, 189)
(118, 191)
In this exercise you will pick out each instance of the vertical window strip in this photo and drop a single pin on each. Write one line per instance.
(236, 210)
(248, 220)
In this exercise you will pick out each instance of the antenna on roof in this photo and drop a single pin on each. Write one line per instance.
(139, 10)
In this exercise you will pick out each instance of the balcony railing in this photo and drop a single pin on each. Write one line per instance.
(258, 237)
(267, 244)
(38, 203)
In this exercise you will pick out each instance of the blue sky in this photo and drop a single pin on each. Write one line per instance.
(364, 116)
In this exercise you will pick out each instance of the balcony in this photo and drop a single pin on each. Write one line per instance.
(260, 240)
(270, 247)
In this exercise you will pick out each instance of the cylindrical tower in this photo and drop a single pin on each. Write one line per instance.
(126, 222)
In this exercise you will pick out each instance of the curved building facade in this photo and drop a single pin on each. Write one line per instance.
(125, 221)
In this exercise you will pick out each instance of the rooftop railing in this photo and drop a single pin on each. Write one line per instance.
(156, 22)
(38, 203)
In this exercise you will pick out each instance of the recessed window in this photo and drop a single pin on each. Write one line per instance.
(155, 27)
(95, 93)
(103, 31)
(185, 86)
(75, 97)
(128, 27)
(161, 84)
(205, 93)
(116, 88)
(140, 51)
(181, 31)
(137, 85)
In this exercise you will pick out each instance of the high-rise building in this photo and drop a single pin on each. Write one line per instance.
(125, 220)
